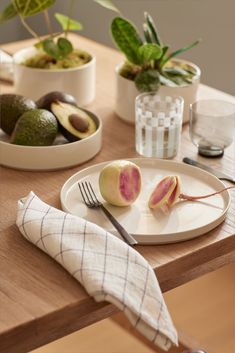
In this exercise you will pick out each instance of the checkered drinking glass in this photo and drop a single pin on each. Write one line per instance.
(158, 123)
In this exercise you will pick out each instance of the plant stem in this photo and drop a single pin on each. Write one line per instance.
(25, 24)
(48, 22)
(29, 29)
(69, 14)
(191, 198)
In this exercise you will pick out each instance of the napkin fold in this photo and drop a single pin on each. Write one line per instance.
(108, 268)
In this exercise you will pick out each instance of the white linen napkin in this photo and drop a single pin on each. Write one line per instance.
(107, 267)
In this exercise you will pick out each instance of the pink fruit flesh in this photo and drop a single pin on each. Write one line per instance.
(173, 198)
(162, 190)
(130, 183)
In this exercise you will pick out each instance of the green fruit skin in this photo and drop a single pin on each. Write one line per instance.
(35, 128)
(12, 106)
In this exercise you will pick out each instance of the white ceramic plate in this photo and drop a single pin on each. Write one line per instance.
(60, 155)
(186, 220)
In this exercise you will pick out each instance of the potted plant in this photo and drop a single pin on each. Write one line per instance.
(150, 67)
(52, 64)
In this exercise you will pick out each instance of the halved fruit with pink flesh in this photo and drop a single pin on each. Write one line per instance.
(166, 192)
(174, 197)
(120, 182)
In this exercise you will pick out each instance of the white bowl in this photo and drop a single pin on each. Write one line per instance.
(34, 83)
(126, 92)
(50, 157)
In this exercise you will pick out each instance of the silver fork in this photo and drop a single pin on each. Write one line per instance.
(90, 199)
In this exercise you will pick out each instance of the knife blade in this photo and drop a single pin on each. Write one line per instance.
(217, 173)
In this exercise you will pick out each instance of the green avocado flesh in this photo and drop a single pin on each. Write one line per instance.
(37, 127)
(44, 61)
(74, 123)
(12, 106)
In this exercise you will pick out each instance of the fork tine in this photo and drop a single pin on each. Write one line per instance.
(93, 192)
(84, 194)
(90, 193)
(81, 192)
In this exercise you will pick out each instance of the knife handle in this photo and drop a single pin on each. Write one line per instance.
(220, 176)
(189, 161)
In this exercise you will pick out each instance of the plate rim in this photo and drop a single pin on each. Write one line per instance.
(163, 239)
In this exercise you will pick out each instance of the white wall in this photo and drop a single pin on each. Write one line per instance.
(179, 22)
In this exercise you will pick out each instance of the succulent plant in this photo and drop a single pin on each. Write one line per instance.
(148, 60)
(56, 45)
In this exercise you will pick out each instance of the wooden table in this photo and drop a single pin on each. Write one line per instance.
(39, 300)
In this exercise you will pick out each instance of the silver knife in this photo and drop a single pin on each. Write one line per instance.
(217, 173)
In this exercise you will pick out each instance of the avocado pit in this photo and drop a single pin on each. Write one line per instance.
(78, 123)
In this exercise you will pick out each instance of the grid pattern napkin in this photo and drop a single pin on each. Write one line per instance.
(107, 267)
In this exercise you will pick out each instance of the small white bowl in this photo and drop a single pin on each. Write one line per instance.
(50, 157)
(126, 92)
(34, 83)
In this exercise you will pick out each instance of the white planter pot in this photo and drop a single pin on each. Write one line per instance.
(126, 92)
(34, 83)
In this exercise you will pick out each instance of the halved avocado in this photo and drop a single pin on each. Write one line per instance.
(74, 123)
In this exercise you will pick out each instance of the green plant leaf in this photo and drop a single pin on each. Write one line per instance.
(8, 13)
(152, 29)
(177, 75)
(65, 46)
(147, 81)
(39, 45)
(150, 51)
(57, 50)
(68, 23)
(32, 7)
(127, 39)
(164, 50)
(147, 35)
(180, 51)
(107, 4)
(52, 49)
(176, 71)
(165, 81)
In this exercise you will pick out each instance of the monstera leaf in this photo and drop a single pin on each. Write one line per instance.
(25, 8)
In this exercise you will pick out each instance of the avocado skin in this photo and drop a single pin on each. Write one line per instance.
(38, 127)
(45, 101)
(12, 106)
(62, 111)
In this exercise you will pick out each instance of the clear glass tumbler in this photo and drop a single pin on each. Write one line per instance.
(158, 123)
(212, 126)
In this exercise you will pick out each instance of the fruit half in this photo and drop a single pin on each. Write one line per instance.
(74, 123)
(120, 182)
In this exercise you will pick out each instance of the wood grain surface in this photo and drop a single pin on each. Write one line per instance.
(39, 300)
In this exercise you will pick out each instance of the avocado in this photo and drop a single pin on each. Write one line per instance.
(12, 106)
(74, 123)
(36, 127)
(45, 101)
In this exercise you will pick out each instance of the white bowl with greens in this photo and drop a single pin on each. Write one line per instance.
(149, 67)
(32, 81)
(53, 64)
